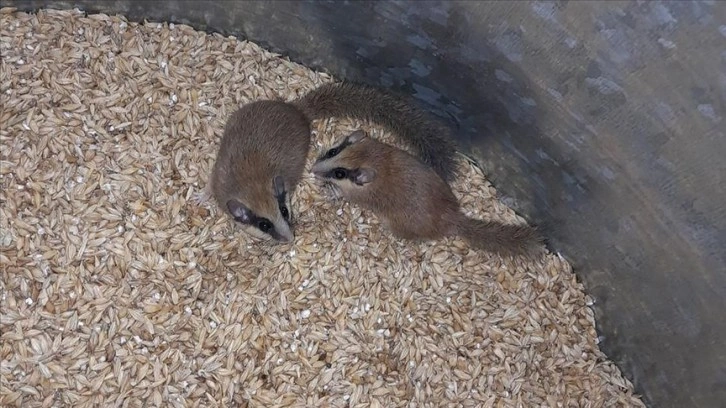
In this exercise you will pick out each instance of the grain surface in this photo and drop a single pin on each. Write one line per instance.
(118, 289)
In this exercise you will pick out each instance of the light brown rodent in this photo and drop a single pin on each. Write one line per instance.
(411, 199)
(265, 144)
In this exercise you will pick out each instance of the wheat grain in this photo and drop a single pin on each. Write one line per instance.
(119, 289)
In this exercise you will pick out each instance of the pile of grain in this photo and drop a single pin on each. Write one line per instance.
(118, 289)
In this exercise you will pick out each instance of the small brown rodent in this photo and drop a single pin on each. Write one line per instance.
(411, 199)
(265, 144)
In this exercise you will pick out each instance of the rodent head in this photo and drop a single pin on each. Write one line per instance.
(348, 164)
(268, 216)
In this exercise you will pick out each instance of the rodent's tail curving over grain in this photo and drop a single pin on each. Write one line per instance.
(504, 239)
(431, 140)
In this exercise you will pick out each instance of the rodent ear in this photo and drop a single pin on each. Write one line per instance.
(278, 183)
(239, 211)
(364, 176)
(356, 136)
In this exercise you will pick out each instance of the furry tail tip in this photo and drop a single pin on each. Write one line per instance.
(503, 239)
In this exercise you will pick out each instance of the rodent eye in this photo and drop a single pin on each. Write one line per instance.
(340, 174)
(332, 152)
(285, 212)
(264, 225)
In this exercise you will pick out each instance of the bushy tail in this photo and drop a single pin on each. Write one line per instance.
(504, 239)
(430, 139)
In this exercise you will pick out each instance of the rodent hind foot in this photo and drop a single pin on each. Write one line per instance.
(202, 197)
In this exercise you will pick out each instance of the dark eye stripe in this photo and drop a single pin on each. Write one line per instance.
(262, 224)
(257, 222)
(332, 153)
(265, 225)
(340, 171)
(283, 206)
(336, 150)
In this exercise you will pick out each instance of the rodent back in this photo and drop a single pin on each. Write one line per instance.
(264, 139)
(259, 164)
(408, 194)
(275, 129)
(431, 140)
(261, 140)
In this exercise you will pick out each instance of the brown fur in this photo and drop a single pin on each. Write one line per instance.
(261, 140)
(415, 203)
(430, 139)
(266, 139)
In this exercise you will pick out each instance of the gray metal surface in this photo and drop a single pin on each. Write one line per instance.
(604, 120)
